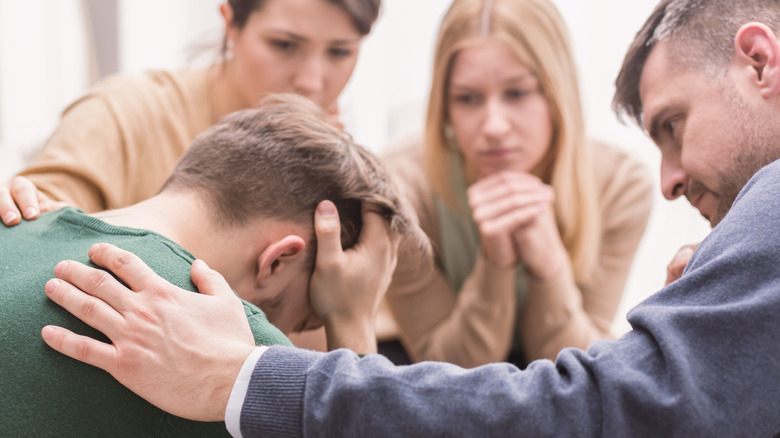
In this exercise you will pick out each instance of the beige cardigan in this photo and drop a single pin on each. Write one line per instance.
(472, 328)
(118, 144)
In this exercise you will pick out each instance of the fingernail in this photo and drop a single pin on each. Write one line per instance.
(30, 212)
(60, 266)
(47, 332)
(9, 217)
(201, 262)
(93, 249)
(326, 209)
(51, 286)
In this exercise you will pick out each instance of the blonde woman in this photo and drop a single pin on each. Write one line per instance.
(534, 225)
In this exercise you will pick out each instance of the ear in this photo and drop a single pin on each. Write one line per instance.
(756, 47)
(278, 258)
(227, 14)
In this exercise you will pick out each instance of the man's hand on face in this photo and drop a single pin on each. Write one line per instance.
(675, 268)
(179, 350)
(348, 286)
(19, 197)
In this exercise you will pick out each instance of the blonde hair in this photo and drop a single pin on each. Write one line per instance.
(536, 33)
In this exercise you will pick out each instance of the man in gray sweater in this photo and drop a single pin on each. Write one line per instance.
(703, 78)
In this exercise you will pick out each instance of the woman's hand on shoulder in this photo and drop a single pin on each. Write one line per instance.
(19, 197)
(502, 204)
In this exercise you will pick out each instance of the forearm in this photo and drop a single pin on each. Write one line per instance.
(358, 336)
(298, 393)
(554, 317)
(67, 186)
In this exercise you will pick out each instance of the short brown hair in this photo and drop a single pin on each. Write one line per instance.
(280, 161)
(699, 33)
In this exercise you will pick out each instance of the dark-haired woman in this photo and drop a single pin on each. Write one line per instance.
(116, 145)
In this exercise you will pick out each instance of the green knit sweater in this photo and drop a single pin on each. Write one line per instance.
(44, 393)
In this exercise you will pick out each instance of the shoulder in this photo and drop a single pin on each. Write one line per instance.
(263, 331)
(404, 160)
(614, 166)
(615, 171)
(624, 184)
(755, 206)
(751, 224)
(149, 95)
(183, 83)
(406, 156)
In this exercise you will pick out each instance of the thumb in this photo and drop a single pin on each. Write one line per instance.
(328, 230)
(208, 281)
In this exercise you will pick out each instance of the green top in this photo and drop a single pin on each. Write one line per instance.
(44, 393)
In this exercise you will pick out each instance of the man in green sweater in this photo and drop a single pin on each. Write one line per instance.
(242, 199)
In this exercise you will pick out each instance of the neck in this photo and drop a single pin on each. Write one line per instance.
(225, 95)
(181, 217)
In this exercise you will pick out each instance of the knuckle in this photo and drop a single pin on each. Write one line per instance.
(82, 349)
(161, 291)
(329, 264)
(121, 261)
(97, 279)
(18, 181)
(88, 309)
(328, 227)
(489, 231)
(18, 186)
(215, 274)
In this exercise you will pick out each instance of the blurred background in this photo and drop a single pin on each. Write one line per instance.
(52, 51)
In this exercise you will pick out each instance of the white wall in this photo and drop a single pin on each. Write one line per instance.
(163, 34)
(43, 66)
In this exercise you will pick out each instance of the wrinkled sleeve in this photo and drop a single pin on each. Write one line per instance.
(700, 361)
(84, 162)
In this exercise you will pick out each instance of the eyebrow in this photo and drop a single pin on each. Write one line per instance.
(297, 37)
(655, 123)
(517, 78)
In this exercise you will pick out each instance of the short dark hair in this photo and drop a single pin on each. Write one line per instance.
(280, 161)
(699, 33)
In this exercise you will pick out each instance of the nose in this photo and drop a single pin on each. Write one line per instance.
(674, 179)
(309, 80)
(496, 120)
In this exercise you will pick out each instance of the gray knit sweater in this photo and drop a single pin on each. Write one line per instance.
(703, 359)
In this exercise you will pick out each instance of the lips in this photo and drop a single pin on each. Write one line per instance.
(497, 154)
